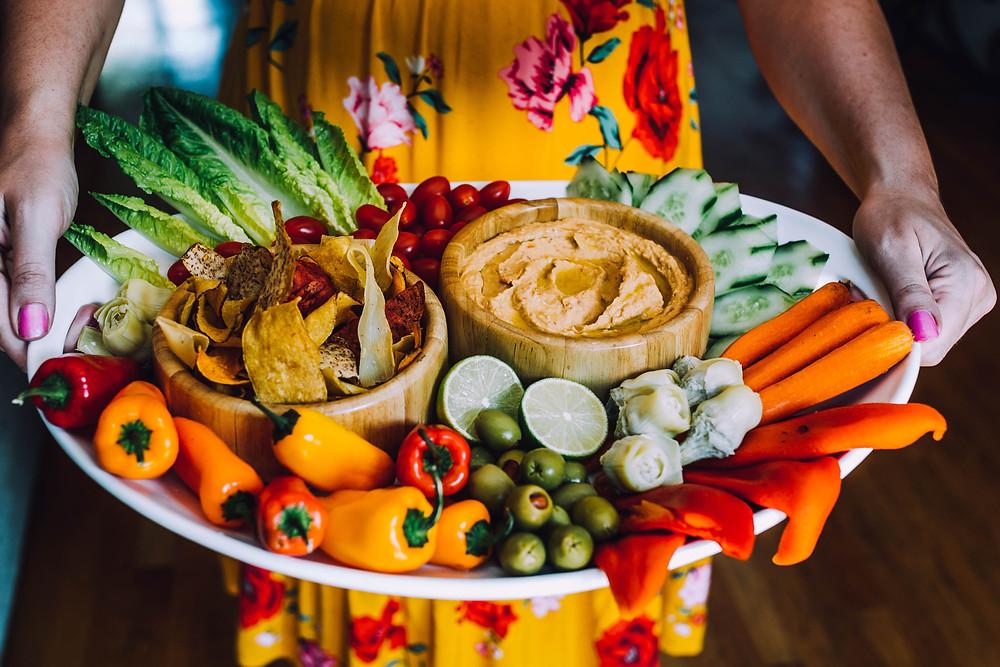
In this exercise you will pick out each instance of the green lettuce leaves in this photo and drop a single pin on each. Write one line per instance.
(116, 259)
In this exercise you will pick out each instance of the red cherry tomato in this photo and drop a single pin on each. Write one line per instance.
(427, 269)
(407, 246)
(518, 200)
(419, 230)
(494, 194)
(470, 213)
(305, 229)
(363, 233)
(436, 212)
(463, 195)
(433, 242)
(409, 214)
(456, 226)
(435, 185)
(178, 273)
(371, 217)
(392, 193)
(229, 248)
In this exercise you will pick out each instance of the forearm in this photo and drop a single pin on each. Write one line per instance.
(51, 54)
(833, 67)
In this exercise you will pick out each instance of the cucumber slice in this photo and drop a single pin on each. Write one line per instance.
(740, 310)
(796, 267)
(740, 256)
(592, 181)
(639, 185)
(717, 346)
(768, 225)
(724, 212)
(681, 197)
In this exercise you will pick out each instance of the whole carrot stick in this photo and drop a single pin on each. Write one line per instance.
(805, 491)
(857, 361)
(822, 336)
(835, 430)
(769, 336)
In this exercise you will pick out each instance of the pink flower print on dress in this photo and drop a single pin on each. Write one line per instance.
(542, 73)
(380, 113)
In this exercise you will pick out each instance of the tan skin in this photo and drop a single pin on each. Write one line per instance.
(843, 86)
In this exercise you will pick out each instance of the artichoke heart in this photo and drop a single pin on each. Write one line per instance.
(642, 462)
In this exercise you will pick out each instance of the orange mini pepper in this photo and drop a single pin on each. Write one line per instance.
(464, 538)
(142, 387)
(136, 437)
(227, 486)
(290, 519)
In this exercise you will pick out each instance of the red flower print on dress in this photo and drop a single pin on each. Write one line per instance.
(380, 114)
(384, 170)
(260, 596)
(368, 634)
(629, 643)
(593, 16)
(651, 91)
(312, 654)
(542, 73)
(489, 615)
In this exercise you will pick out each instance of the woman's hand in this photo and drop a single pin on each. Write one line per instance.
(38, 195)
(936, 283)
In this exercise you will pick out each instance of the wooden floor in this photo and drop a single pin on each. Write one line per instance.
(906, 573)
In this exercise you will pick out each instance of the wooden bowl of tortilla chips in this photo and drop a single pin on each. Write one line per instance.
(588, 290)
(205, 379)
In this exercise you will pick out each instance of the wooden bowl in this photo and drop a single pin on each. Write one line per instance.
(383, 415)
(600, 362)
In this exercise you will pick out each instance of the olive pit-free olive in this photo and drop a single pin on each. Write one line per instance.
(497, 430)
(479, 456)
(530, 505)
(510, 463)
(543, 467)
(575, 472)
(522, 554)
(569, 547)
(490, 485)
(567, 494)
(598, 516)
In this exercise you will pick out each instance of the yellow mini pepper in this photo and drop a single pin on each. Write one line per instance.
(385, 530)
(325, 454)
(136, 437)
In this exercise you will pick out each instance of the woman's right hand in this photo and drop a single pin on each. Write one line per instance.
(38, 197)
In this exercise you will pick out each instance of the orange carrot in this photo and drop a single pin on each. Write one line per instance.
(857, 361)
(637, 566)
(822, 336)
(769, 336)
(226, 485)
(805, 491)
(835, 430)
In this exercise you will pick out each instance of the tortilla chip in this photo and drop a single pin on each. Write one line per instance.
(233, 311)
(203, 262)
(184, 314)
(222, 365)
(278, 282)
(208, 320)
(405, 310)
(182, 340)
(248, 272)
(408, 359)
(282, 361)
(331, 256)
(337, 387)
(339, 360)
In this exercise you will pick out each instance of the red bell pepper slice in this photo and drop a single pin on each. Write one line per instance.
(637, 566)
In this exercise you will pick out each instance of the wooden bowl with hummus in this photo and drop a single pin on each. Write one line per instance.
(383, 415)
(587, 290)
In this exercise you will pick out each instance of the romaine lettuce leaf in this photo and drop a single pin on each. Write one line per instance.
(117, 260)
(164, 230)
(342, 163)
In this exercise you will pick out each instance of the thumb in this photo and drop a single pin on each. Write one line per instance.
(32, 279)
(910, 293)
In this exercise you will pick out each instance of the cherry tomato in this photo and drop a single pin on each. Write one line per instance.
(435, 185)
(463, 195)
(371, 217)
(409, 214)
(456, 226)
(229, 248)
(392, 193)
(427, 269)
(305, 229)
(433, 242)
(419, 230)
(178, 273)
(518, 200)
(470, 213)
(494, 194)
(363, 233)
(436, 212)
(407, 246)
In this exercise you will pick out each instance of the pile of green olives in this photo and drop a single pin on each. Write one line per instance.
(556, 515)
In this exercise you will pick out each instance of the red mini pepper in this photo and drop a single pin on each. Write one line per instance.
(433, 451)
(637, 566)
(72, 390)
(290, 519)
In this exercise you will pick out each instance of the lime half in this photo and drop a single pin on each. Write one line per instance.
(564, 416)
(475, 384)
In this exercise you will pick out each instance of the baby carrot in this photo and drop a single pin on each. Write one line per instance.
(769, 336)
(822, 336)
(835, 430)
(227, 486)
(857, 361)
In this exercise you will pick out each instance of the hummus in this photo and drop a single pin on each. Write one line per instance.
(576, 277)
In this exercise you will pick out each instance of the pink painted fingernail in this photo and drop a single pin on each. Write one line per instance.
(32, 321)
(923, 326)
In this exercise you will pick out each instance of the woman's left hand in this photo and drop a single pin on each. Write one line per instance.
(936, 283)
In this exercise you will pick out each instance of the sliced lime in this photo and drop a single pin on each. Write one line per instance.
(564, 416)
(475, 384)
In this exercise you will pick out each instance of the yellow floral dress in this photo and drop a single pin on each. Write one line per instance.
(475, 91)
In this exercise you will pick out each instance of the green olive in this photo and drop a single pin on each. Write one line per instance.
(510, 463)
(490, 485)
(575, 472)
(480, 456)
(543, 467)
(598, 516)
(530, 505)
(522, 553)
(567, 494)
(560, 517)
(497, 430)
(569, 547)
